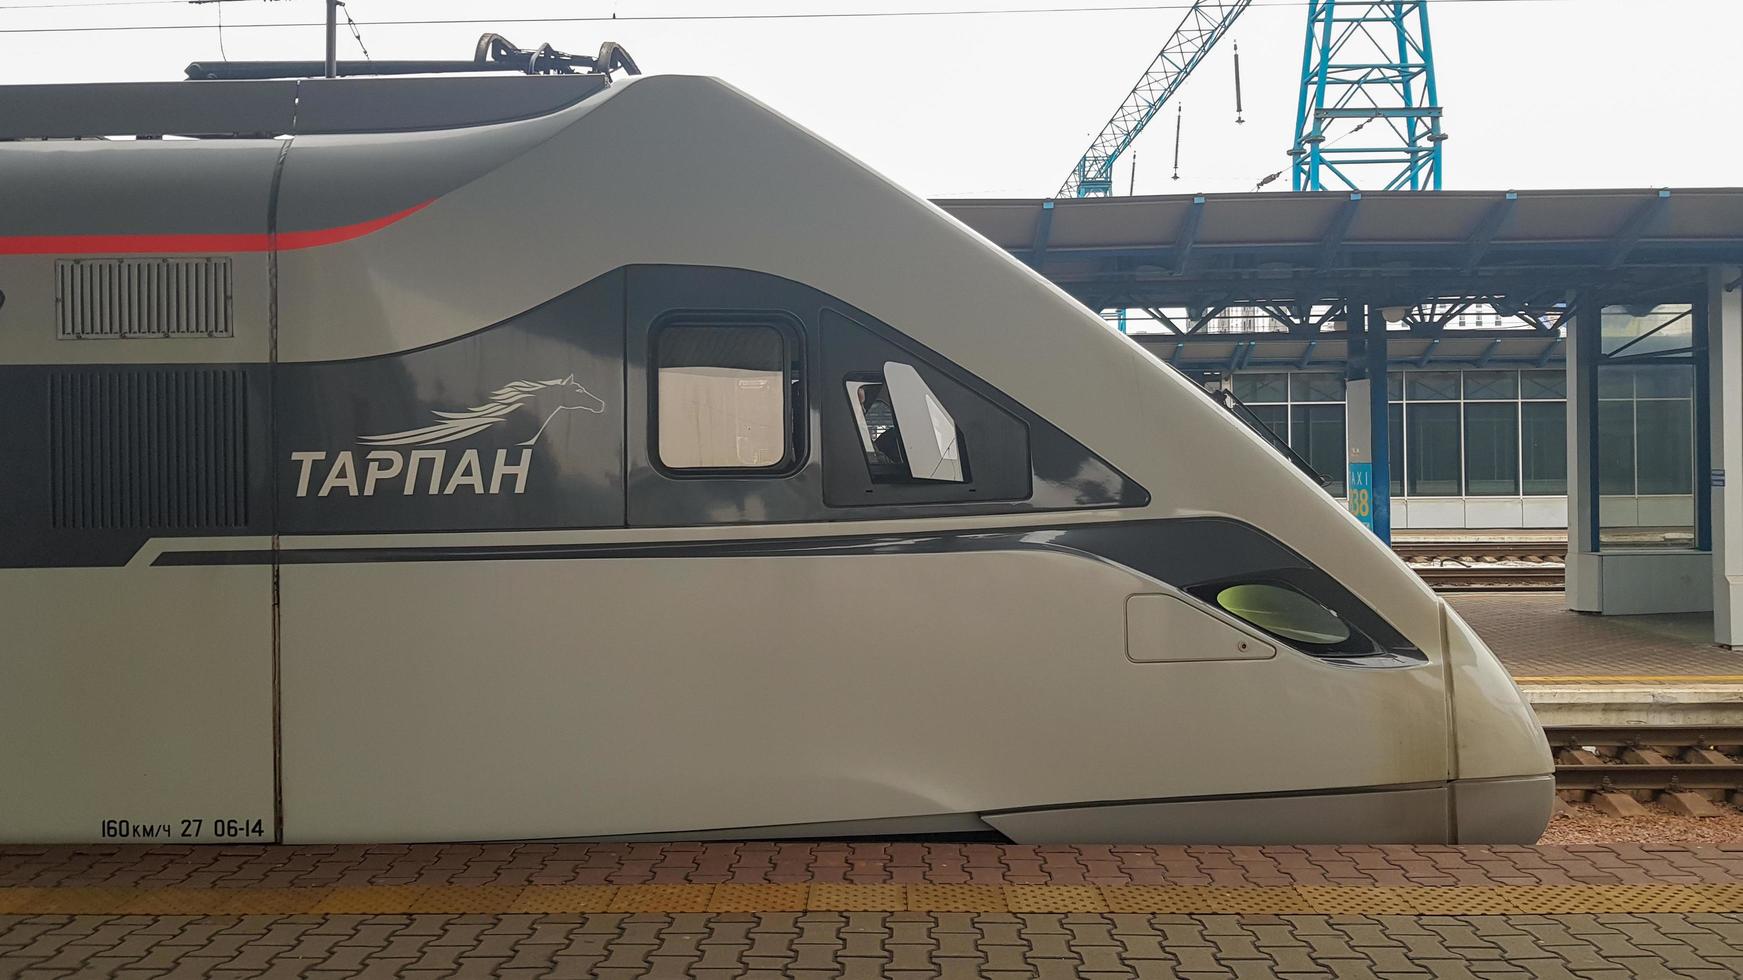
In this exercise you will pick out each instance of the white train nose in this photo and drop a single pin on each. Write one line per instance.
(1503, 785)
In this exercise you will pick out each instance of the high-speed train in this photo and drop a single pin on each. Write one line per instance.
(560, 457)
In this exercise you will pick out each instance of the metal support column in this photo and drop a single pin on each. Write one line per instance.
(332, 38)
(1379, 440)
(1585, 585)
(1725, 386)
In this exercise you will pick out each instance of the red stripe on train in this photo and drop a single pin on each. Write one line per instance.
(135, 244)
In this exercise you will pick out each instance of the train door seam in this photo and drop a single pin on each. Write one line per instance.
(272, 485)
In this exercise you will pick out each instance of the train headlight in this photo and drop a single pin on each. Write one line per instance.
(1285, 613)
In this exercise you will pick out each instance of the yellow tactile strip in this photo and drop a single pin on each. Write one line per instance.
(817, 897)
(1629, 679)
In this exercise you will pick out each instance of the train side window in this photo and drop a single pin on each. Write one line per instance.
(723, 397)
(905, 432)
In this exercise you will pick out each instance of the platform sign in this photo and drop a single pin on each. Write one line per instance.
(1361, 499)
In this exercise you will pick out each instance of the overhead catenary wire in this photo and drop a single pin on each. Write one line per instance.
(1268, 178)
(1093, 8)
(639, 18)
(345, 9)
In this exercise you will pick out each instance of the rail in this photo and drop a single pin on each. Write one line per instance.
(1647, 760)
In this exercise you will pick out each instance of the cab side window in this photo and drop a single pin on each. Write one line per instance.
(723, 398)
(901, 427)
(907, 434)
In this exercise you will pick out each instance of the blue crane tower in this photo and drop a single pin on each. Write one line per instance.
(1365, 62)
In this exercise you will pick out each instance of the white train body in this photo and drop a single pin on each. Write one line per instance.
(340, 506)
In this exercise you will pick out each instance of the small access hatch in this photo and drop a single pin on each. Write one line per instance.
(1163, 629)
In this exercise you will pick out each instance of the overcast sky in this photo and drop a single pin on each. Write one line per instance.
(1537, 93)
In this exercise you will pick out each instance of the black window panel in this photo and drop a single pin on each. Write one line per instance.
(1543, 384)
(752, 347)
(1665, 436)
(1664, 381)
(1544, 431)
(1615, 381)
(1433, 385)
(1491, 449)
(1434, 450)
(1317, 387)
(1490, 385)
(1615, 447)
(1262, 387)
(1275, 417)
(1318, 435)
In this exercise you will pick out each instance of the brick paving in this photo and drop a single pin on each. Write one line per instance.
(518, 865)
(847, 945)
(1536, 636)
(1244, 912)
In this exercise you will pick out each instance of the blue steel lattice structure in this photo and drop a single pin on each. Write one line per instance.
(1367, 67)
(1203, 26)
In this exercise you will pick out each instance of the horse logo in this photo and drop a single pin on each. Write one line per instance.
(560, 394)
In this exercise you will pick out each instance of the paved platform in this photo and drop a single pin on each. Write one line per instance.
(1541, 642)
(817, 910)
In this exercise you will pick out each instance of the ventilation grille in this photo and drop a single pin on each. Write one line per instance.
(149, 448)
(126, 298)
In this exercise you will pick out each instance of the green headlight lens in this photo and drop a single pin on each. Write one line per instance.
(1284, 612)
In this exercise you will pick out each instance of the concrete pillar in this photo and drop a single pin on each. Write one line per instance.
(1358, 429)
(1369, 492)
(1358, 452)
(1725, 421)
(1585, 585)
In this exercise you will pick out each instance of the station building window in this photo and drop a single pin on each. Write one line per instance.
(1262, 388)
(1543, 432)
(1304, 410)
(1543, 439)
(1395, 437)
(1646, 426)
(1477, 432)
(1491, 433)
(1268, 396)
(1481, 433)
(1431, 442)
(1317, 433)
(1491, 449)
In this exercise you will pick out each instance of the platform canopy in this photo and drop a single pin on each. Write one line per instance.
(1205, 250)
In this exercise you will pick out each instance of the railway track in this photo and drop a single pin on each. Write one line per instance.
(1502, 578)
(1675, 761)
(1545, 551)
(1487, 566)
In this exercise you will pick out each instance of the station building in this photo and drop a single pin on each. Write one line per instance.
(1457, 360)
(1478, 437)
